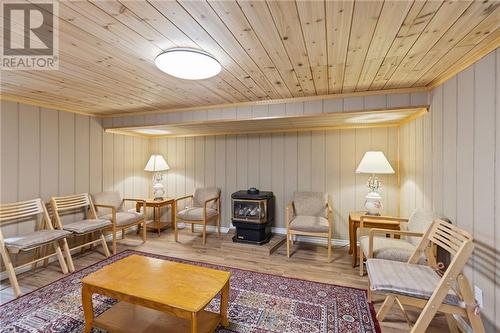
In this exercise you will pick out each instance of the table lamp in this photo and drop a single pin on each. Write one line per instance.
(374, 162)
(156, 164)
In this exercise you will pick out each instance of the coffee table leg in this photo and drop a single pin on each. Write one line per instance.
(88, 309)
(194, 322)
(224, 302)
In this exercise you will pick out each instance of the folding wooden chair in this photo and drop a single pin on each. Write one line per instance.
(426, 286)
(44, 234)
(85, 227)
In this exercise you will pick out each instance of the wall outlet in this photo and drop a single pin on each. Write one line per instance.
(478, 295)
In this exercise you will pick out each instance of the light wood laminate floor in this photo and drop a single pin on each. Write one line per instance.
(307, 262)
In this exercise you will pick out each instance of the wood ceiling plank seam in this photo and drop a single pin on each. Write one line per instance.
(485, 46)
(314, 28)
(78, 14)
(392, 17)
(304, 75)
(275, 54)
(220, 8)
(142, 9)
(67, 72)
(365, 26)
(206, 18)
(432, 34)
(452, 36)
(206, 42)
(130, 20)
(493, 17)
(420, 15)
(336, 49)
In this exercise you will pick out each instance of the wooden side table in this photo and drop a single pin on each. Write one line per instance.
(157, 205)
(354, 222)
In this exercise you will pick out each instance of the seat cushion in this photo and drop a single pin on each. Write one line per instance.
(396, 277)
(86, 226)
(309, 224)
(34, 239)
(310, 204)
(388, 248)
(195, 213)
(124, 218)
(202, 194)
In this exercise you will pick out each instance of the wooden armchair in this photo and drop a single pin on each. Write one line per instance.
(44, 234)
(309, 214)
(120, 218)
(377, 245)
(426, 286)
(204, 208)
(89, 225)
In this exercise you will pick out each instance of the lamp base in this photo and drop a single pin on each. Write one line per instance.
(373, 203)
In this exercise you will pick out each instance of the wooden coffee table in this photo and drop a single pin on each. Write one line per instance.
(156, 295)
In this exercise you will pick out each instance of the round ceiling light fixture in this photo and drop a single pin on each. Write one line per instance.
(188, 64)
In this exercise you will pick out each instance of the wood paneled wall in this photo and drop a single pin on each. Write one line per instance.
(450, 162)
(46, 153)
(283, 163)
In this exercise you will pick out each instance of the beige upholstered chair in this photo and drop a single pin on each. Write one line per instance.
(89, 225)
(43, 234)
(377, 245)
(110, 206)
(309, 214)
(429, 287)
(203, 207)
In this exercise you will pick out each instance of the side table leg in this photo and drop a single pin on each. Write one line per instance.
(350, 236)
(224, 303)
(354, 246)
(194, 322)
(88, 309)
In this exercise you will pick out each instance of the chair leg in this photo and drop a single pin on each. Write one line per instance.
(192, 227)
(144, 231)
(104, 245)
(11, 273)
(474, 318)
(60, 257)
(114, 240)
(386, 306)
(176, 231)
(67, 253)
(218, 225)
(361, 256)
(452, 323)
(205, 233)
(369, 292)
(329, 246)
(288, 236)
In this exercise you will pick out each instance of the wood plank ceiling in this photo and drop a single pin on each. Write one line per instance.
(268, 50)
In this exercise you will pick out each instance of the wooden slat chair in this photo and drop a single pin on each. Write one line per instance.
(85, 227)
(204, 207)
(111, 206)
(309, 214)
(43, 235)
(425, 286)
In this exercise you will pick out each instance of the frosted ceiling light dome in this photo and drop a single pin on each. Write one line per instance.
(188, 64)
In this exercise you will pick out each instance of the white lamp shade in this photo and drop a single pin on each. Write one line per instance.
(374, 162)
(156, 163)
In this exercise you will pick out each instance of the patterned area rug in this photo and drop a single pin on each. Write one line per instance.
(259, 303)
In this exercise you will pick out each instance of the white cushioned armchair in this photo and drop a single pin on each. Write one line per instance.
(377, 245)
(309, 214)
(110, 206)
(202, 207)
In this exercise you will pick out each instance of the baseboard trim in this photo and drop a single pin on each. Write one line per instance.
(211, 228)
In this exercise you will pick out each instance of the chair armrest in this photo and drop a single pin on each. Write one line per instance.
(180, 199)
(289, 215)
(375, 231)
(206, 203)
(113, 212)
